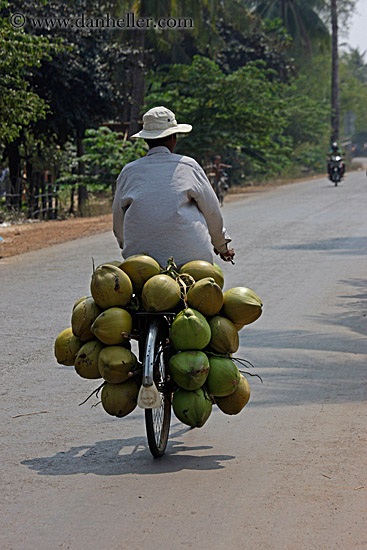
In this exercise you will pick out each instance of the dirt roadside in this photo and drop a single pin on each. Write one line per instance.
(20, 238)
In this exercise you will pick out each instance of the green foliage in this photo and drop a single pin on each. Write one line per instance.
(85, 83)
(265, 41)
(307, 119)
(357, 66)
(20, 53)
(106, 153)
(224, 111)
(353, 87)
(301, 19)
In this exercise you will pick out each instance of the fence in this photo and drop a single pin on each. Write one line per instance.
(38, 199)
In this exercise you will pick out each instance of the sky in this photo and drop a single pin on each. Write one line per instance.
(357, 36)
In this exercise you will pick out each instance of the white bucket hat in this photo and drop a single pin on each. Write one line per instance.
(160, 122)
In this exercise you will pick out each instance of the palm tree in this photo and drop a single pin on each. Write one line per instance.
(300, 18)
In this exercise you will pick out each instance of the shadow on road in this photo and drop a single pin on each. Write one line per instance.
(306, 340)
(300, 366)
(338, 245)
(127, 456)
(354, 314)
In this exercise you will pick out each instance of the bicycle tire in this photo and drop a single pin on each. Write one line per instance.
(157, 421)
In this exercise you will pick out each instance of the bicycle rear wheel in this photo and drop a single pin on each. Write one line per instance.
(157, 421)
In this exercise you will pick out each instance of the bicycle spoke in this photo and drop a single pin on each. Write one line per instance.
(158, 419)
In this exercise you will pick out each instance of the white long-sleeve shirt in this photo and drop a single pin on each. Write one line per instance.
(165, 206)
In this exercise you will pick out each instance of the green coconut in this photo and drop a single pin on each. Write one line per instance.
(115, 363)
(193, 408)
(140, 268)
(223, 377)
(241, 305)
(161, 293)
(224, 335)
(236, 401)
(83, 317)
(86, 362)
(199, 269)
(189, 331)
(120, 399)
(206, 297)
(66, 347)
(189, 369)
(110, 286)
(110, 324)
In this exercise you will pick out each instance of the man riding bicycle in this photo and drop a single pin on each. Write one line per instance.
(164, 204)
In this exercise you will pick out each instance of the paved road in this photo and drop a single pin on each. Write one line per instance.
(288, 473)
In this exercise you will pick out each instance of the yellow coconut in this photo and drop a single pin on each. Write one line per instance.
(140, 268)
(80, 300)
(83, 317)
(86, 362)
(234, 403)
(241, 305)
(199, 269)
(110, 324)
(161, 293)
(115, 263)
(66, 347)
(115, 363)
(120, 399)
(205, 296)
(110, 287)
(220, 270)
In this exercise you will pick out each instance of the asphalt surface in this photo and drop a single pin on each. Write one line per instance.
(289, 472)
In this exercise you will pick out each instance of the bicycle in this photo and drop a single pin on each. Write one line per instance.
(155, 395)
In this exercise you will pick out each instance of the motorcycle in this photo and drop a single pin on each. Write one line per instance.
(335, 169)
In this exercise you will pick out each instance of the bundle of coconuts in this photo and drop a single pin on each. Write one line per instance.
(203, 335)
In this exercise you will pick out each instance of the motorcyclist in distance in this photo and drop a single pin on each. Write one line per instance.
(334, 152)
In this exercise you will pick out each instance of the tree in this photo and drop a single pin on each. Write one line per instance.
(78, 82)
(105, 154)
(265, 41)
(172, 44)
(353, 91)
(242, 112)
(301, 19)
(19, 53)
(344, 7)
(356, 63)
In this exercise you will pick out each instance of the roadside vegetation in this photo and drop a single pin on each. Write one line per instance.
(254, 78)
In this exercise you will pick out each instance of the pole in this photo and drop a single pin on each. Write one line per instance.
(334, 74)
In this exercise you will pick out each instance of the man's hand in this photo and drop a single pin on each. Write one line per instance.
(226, 256)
